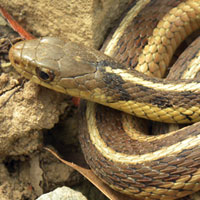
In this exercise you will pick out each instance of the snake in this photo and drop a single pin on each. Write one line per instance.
(124, 82)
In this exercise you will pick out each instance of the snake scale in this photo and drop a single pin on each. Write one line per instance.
(146, 167)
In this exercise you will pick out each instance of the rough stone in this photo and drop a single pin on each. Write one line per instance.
(83, 21)
(63, 193)
(24, 113)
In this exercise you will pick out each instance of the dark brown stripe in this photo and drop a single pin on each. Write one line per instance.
(117, 89)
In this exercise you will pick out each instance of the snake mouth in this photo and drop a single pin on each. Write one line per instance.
(25, 73)
(35, 77)
(15, 53)
(29, 71)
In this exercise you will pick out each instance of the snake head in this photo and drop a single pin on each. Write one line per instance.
(53, 63)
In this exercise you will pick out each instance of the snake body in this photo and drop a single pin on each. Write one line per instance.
(169, 165)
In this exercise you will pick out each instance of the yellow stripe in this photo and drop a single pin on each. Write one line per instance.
(179, 87)
(192, 68)
(123, 25)
(131, 131)
(111, 154)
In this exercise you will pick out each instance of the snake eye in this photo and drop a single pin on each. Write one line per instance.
(45, 74)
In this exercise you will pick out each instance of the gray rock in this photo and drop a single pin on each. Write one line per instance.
(62, 193)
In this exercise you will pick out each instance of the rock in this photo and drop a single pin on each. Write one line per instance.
(62, 193)
(82, 21)
(24, 113)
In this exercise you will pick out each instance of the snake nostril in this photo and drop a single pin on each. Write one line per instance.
(45, 74)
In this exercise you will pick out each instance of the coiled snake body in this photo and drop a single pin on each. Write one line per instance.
(169, 165)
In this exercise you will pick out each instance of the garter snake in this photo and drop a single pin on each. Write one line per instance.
(169, 166)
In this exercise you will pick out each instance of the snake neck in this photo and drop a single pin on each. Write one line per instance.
(134, 93)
